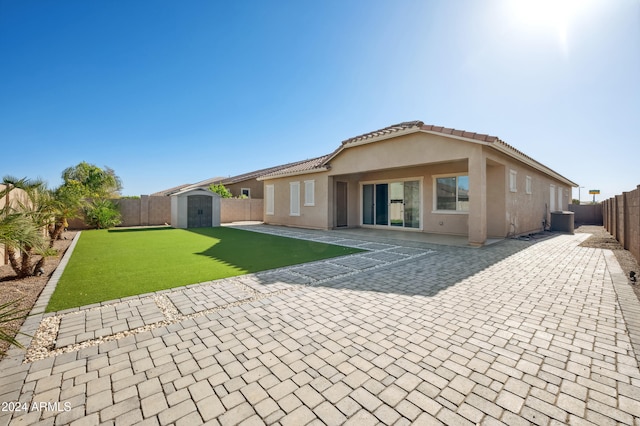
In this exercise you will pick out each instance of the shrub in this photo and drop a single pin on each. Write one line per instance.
(102, 214)
(220, 190)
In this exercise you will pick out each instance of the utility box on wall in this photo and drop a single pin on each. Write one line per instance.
(562, 221)
(195, 208)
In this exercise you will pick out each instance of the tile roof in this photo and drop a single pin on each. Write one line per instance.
(386, 131)
(460, 133)
(322, 163)
(205, 183)
(166, 192)
(301, 167)
(419, 125)
(262, 172)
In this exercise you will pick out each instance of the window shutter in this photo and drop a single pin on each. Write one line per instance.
(309, 193)
(294, 204)
(270, 200)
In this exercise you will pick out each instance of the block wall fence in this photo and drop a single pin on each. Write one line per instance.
(621, 216)
(156, 210)
(587, 214)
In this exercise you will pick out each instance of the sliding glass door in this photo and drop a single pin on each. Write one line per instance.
(412, 204)
(394, 204)
(382, 212)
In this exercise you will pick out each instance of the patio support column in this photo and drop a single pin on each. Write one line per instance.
(477, 198)
(331, 207)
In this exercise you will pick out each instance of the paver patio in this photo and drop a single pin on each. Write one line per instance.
(513, 333)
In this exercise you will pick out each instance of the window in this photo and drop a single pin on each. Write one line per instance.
(513, 181)
(309, 193)
(294, 198)
(552, 198)
(452, 193)
(245, 192)
(528, 185)
(270, 202)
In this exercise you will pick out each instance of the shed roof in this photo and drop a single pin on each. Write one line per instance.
(202, 191)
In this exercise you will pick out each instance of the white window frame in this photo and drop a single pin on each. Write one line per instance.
(309, 193)
(552, 198)
(435, 193)
(294, 198)
(248, 190)
(529, 185)
(270, 199)
(513, 180)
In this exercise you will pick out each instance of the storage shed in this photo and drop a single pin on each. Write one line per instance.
(195, 208)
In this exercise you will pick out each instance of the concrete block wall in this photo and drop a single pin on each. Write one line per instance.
(145, 211)
(622, 220)
(156, 210)
(130, 209)
(590, 214)
(159, 210)
(236, 210)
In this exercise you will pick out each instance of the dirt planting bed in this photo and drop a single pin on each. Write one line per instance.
(24, 292)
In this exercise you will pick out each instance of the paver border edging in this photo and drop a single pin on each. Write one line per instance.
(627, 300)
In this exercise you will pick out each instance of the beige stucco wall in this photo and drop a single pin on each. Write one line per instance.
(387, 161)
(316, 216)
(254, 186)
(452, 223)
(416, 148)
(523, 212)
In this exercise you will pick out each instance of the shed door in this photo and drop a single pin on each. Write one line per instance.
(199, 211)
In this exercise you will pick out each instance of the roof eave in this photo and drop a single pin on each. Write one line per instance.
(502, 147)
(462, 138)
(532, 163)
(296, 173)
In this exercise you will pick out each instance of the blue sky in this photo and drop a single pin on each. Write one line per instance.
(172, 92)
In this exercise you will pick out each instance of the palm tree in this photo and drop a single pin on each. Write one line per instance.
(67, 202)
(22, 222)
(8, 313)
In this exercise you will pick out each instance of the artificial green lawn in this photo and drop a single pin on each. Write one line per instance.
(107, 265)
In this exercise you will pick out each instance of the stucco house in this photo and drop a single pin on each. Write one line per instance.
(414, 177)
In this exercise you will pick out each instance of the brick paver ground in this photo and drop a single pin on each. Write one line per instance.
(514, 333)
